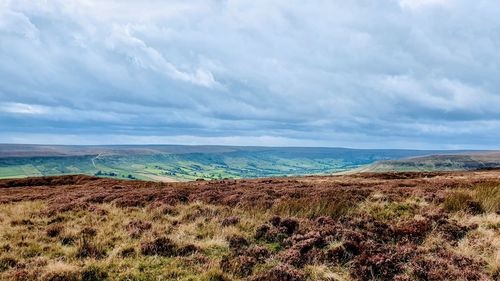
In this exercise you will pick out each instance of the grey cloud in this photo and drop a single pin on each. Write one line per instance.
(420, 73)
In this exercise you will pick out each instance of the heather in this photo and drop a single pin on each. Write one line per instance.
(385, 226)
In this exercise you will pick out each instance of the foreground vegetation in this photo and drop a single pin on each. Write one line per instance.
(392, 226)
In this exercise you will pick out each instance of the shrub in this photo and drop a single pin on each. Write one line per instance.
(67, 240)
(187, 250)
(239, 265)
(230, 221)
(137, 227)
(127, 252)
(161, 246)
(21, 223)
(258, 252)
(6, 263)
(281, 273)
(445, 265)
(452, 231)
(169, 210)
(54, 230)
(94, 273)
(88, 232)
(236, 243)
(290, 225)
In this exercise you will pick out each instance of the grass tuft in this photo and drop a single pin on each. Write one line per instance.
(488, 195)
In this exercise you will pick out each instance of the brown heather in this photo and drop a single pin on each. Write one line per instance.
(386, 226)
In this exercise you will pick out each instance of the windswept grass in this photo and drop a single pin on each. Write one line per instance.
(488, 195)
(482, 197)
(457, 201)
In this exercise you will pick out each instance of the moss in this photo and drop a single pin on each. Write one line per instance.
(273, 247)
(215, 251)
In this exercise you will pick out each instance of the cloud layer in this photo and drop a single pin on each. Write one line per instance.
(407, 73)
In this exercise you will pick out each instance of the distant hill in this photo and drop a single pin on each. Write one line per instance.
(447, 162)
(179, 162)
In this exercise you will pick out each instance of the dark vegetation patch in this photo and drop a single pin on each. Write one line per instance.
(281, 273)
(137, 227)
(230, 221)
(54, 230)
(165, 247)
(94, 273)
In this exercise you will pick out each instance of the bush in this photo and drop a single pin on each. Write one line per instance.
(94, 273)
(457, 201)
(67, 240)
(6, 263)
(281, 273)
(230, 221)
(127, 252)
(54, 230)
(239, 265)
(137, 227)
(159, 247)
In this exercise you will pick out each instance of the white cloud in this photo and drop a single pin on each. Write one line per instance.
(123, 41)
(21, 108)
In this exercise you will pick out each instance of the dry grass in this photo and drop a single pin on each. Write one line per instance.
(457, 201)
(314, 228)
(488, 195)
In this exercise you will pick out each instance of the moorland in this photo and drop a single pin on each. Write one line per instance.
(369, 226)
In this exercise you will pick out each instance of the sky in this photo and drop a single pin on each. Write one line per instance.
(421, 74)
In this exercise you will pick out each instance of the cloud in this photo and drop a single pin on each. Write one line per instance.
(123, 42)
(399, 73)
(17, 23)
(418, 4)
(21, 108)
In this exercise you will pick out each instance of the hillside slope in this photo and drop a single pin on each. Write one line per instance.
(177, 163)
(453, 162)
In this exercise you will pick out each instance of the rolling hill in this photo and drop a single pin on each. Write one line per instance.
(179, 162)
(447, 162)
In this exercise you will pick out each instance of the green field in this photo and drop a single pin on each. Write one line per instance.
(164, 163)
